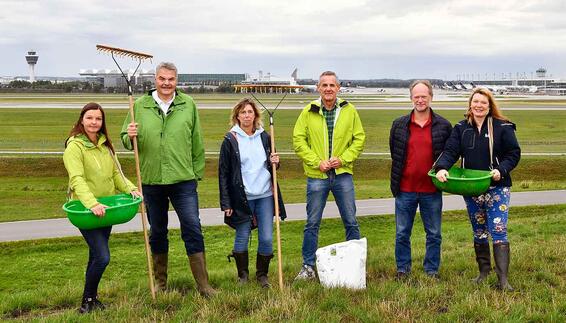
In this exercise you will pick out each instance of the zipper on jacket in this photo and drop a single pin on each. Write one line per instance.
(96, 160)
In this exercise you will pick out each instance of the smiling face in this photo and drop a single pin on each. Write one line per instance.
(479, 106)
(92, 122)
(328, 88)
(165, 82)
(420, 95)
(246, 117)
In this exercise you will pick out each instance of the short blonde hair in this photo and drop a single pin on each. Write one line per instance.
(239, 106)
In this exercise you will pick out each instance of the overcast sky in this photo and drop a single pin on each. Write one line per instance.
(356, 38)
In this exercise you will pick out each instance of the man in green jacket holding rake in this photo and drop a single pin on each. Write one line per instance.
(328, 137)
(171, 151)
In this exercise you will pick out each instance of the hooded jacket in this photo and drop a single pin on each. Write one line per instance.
(170, 145)
(231, 184)
(310, 138)
(92, 171)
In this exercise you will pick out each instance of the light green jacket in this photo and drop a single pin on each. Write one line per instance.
(310, 137)
(170, 146)
(92, 171)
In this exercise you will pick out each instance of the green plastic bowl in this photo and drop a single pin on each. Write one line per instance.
(463, 181)
(121, 209)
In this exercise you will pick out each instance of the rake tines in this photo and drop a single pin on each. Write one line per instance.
(123, 52)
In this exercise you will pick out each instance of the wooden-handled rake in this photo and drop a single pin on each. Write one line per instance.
(275, 192)
(113, 51)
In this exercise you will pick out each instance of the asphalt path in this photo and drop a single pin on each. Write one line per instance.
(55, 228)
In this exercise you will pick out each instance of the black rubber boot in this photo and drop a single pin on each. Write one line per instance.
(483, 258)
(262, 269)
(501, 257)
(241, 265)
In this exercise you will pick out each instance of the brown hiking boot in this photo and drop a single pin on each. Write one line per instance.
(197, 262)
(160, 270)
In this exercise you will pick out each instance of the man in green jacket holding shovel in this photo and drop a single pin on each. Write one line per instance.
(171, 151)
(328, 137)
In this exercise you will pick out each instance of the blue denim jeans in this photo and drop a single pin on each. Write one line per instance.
(342, 187)
(263, 211)
(184, 198)
(430, 207)
(98, 258)
(489, 213)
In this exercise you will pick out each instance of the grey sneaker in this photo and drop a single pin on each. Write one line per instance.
(307, 273)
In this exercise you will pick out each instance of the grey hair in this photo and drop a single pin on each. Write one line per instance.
(167, 66)
(423, 82)
(329, 73)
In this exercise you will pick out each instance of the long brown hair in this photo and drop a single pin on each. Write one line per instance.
(239, 106)
(494, 110)
(78, 128)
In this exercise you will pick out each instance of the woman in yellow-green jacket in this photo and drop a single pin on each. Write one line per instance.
(93, 172)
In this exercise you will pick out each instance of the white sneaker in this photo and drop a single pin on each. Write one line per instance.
(307, 273)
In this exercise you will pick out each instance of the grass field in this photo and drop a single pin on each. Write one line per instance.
(34, 188)
(46, 129)
(42, 280)
(39, 183)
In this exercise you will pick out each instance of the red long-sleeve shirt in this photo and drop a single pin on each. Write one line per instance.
(419, 159)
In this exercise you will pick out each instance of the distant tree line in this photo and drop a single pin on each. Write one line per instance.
(50, 87)
(379, 83)
(93, 87)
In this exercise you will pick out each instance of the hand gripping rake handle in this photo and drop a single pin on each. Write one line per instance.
(275, 191)
(140, 57)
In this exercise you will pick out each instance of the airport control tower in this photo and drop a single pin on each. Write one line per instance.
(31, 58)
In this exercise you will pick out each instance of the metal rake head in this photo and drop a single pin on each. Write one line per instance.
(123, 52)
(270, 112)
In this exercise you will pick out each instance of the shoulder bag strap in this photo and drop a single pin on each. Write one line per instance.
(490, 135)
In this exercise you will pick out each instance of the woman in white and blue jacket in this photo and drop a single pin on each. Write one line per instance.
(246, 188)
(488, 212)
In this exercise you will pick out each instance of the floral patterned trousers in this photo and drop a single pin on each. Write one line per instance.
(489, 213)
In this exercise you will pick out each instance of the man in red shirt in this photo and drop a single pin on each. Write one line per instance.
(415, 141)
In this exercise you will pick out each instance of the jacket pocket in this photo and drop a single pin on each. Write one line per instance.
(468, 139)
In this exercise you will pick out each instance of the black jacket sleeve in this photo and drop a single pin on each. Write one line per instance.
(511, 153)
(224, 175)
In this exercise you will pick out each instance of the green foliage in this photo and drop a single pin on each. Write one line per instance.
(46, 129)
(19, 84)
(42, 280)
(40, 183)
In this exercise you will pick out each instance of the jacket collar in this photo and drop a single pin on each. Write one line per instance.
(83, 139)
(241, 132)
(177, 104)
(433, 117)
(317, 104)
